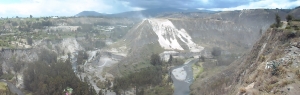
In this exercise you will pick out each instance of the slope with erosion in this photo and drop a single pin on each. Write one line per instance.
(155, 36)
(271, 67)
(235, 31)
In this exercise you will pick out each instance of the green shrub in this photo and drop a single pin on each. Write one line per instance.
(7, 76)
(216, 51)
(288, 27)
(296, 19)
(297, 33)
(296, 28)
(290, 34)
(273, 25)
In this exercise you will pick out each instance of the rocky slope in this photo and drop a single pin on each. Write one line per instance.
(271, 67)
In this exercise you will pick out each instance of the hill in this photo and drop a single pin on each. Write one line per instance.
(271, 67)
(89, 14)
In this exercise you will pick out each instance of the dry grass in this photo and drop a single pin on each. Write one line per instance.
(284, 83)
(243, 90)
(297, 74)
(273, 80)
(282, 70)
(262, 58)
(277, 53)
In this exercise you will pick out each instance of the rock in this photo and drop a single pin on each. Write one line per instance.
(298, 45)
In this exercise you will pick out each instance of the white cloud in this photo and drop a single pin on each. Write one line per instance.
(272, 4)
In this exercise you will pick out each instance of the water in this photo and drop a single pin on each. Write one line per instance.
(182, 87)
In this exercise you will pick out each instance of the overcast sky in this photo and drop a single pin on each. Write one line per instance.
(37, 8)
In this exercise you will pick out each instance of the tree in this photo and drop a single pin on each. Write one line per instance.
(30, 16)
(29, 41)
(100, 92)
(216, 51)
(202, 58)
(155, 60)
(170, 59)
(289, 18)
(1, 72)
(277, 19)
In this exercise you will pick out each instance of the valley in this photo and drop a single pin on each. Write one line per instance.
(169, 54)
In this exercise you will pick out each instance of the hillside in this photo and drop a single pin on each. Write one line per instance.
(271, 67)
(233, 31)
(200, 45)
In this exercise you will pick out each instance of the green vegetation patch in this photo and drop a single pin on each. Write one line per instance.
(7, 76)
(197, 70)
(3, 86)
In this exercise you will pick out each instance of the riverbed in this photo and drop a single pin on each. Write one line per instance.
(182, 77)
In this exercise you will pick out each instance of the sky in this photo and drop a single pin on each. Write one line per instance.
(38, 8)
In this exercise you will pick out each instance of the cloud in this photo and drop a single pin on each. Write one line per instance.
(266, 4)
(24, 8)
(186, 3)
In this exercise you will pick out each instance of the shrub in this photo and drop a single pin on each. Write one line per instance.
(29, 41)
(155, 60)
(289, 34)
(278, 20)
(202, 58)
(296, 28)
(243, 90)
(298, 74)
(262, 58)
(272, 25)
(7, 76)
(289, 17)
(216, 51)
(297, 33)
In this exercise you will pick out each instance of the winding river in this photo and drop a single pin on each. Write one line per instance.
(182, 77)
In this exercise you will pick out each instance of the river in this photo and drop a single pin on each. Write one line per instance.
(182, 77)
(13, 88)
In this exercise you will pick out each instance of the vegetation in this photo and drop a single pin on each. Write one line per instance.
(4, 90)
(29, 41)
(202, 58)
(278, 20)
(289, 18)
(51, 78)
(216, 51)
(81, 57)
(155, 60)
(152, 76)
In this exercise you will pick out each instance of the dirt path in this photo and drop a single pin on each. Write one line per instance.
(284, 23)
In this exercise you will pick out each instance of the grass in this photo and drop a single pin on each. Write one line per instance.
(3, 86)
(160, 90)
(197, 70)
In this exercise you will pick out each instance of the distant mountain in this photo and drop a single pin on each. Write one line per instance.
(143, 13)
(155, 12)
(89, 13)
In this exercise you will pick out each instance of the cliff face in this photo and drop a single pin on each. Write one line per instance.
(271, 67)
